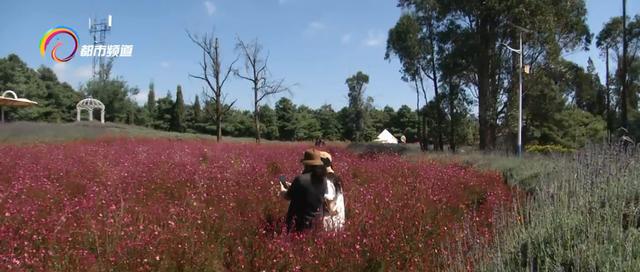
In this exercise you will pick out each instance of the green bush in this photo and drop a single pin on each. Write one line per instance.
(548, 149)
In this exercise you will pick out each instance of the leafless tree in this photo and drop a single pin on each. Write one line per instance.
(257, 73)
(214, 75)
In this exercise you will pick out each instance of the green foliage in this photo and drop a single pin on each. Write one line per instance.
(609, 41)
(405, 121)
(548, 149)
(178, 113)
(197, 111)
(610, 36)
(571, 128)
(194, 117)
(164, 112)
(329, 123)
(405, 42)
(269, 123)
(549, 117)
(358, 116)
(114, 93)
(380, 120)
(285, 113)
(307, 125)
(239, 124)
(586, 87)
(151, 99)
(473, 31)
(56, 100)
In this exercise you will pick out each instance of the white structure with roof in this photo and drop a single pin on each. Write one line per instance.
(89, 104)
(7, 101)
(385, 137)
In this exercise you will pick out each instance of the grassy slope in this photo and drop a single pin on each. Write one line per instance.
(27, 132)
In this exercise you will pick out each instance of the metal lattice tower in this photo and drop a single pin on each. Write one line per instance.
(99, 30)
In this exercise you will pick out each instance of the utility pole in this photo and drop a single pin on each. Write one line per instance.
(608, 83)
(520, 52)
(520, 68)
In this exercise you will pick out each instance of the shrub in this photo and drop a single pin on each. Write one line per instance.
(548, 149)
(583, 215)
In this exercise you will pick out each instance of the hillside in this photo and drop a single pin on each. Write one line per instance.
(21, 132)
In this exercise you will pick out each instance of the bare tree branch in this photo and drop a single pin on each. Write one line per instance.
(257, 73)
(214, 75)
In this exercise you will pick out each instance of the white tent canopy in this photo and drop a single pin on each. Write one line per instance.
(386, 137)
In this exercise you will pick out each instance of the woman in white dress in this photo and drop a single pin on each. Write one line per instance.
(334, 213)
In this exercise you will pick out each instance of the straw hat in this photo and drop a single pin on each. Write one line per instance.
(311, 157)
(325, 156)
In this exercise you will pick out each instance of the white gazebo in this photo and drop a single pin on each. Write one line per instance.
(7, 101)
(89, 104)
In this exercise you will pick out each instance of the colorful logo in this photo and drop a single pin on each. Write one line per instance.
(59, 30)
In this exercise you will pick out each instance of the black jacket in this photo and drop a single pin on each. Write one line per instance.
(306, 202)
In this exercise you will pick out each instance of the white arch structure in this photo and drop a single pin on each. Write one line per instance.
(90, 104)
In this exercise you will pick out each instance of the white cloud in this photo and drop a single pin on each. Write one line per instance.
(74, 76)
(83, 72)
(59, 68)
(165, 64)
(346, 38)
(210, 7)
(374, 38)
(141, 97)
(314, 27)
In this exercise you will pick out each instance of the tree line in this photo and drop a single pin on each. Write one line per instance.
(457, 50)
(454, 55)
(284, 121)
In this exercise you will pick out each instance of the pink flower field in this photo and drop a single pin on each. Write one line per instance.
(189, 205)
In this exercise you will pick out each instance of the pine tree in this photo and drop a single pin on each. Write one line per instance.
(196, 110)
(151, 99)
(177, 118)
(285, 114)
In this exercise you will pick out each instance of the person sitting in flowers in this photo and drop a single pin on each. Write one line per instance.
(306, 193)
(333, 217)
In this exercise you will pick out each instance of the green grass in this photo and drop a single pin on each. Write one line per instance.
(30, 132)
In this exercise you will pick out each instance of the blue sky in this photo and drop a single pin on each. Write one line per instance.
(314, 45)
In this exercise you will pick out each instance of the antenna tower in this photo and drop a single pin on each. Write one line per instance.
(99, 30)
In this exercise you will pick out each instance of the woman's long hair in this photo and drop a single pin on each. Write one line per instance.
(337, 182)
(318, 175)
(318, 172)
